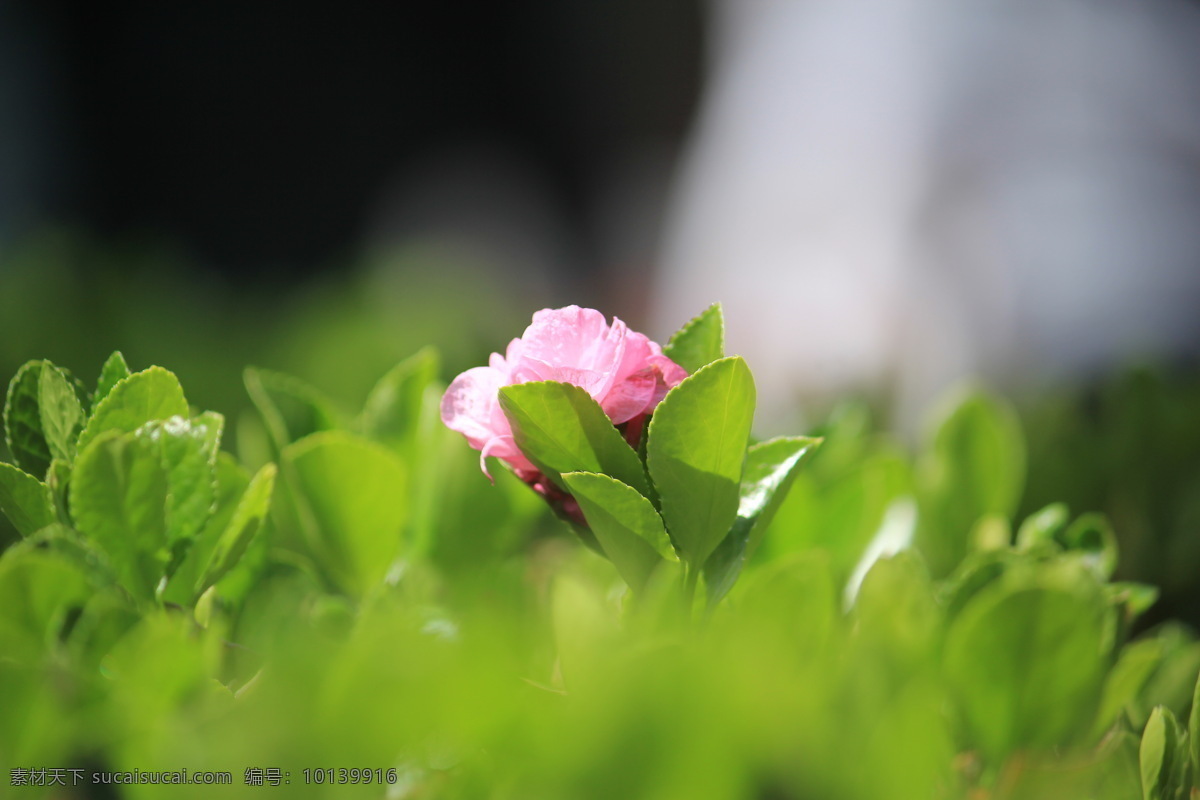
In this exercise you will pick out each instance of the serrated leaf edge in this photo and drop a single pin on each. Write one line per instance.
(696, 320)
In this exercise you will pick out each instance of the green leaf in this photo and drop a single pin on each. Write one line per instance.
(118, 497)
(624, 522)
(113, 372)
(290, 408)
(771, 467)
(1174, 679)
(1025, 661)
(696, 451)
(1135, 598)
(1093, 536)
(842, 510)
(188, 453)
(700, 342)
(58, 479)
(231, 482)
(244, 525)
(152, 394)
(560, 428)
(61, 412)
(72, 546)
(1125, 680)
(23, 420)
(350, 494)
(897, 616)
(427, 490)
(1182, 777)
(38, 590)
(1042, 526)
(462, 505)
(144, 497)
(392, 412)
(974, 466)
(1163, 756)
(976, 571)
(25, 500)
(105, 618)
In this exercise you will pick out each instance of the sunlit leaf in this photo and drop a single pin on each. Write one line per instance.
(118, 499)
(560, 428)
(241, 529)
(696, 452)
(770, 469)
(146, 396)
(1165, 763)
(113, 372)
(61, 412)
(699, 342)
(624, 522)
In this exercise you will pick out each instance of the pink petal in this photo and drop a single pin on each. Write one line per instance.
(470, 403)
(567, 337)
(623, 370)
(531, 369)
(672, 373)
(609, 357)
(636, 352)
(513, 353)
(631, 397)
(669, 374)
(505, 448)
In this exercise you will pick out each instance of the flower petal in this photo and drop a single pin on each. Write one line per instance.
(567, 337)
(631, 397)
(470, 403)
(625, 372)
(505, 448)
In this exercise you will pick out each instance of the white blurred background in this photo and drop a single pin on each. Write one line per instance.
(890, 195)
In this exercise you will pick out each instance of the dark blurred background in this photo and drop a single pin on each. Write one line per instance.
(263, 138)
(322, 189)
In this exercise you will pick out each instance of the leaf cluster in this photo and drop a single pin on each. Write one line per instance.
(697, 494)
(349, 590)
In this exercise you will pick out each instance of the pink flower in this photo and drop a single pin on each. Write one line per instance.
(625, 372)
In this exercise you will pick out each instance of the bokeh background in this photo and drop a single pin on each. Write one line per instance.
(887, 197)
(327, 189)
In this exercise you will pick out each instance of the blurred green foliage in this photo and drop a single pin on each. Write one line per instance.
(1129, 448)
(73, 299)
(327, 581)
